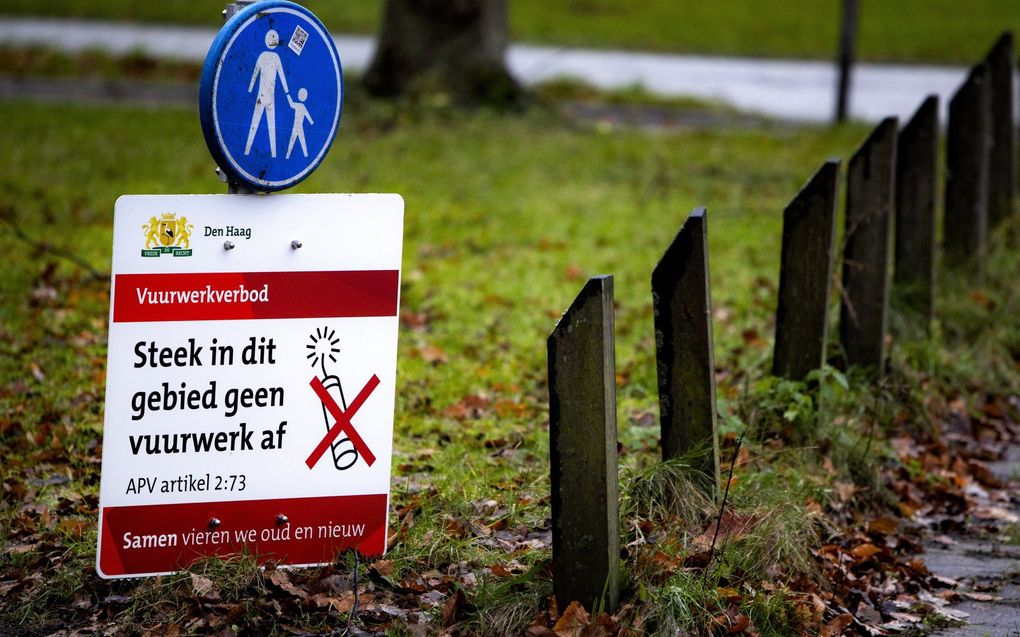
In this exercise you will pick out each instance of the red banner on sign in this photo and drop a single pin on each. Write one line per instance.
(254, 295)
(138, 540)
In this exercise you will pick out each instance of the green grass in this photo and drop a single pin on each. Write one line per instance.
(891, 30)
(37, 61)
(505, 217)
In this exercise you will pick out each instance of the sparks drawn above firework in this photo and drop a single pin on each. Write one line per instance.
(323, 345)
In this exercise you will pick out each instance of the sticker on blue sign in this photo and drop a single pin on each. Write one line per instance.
(271, 95)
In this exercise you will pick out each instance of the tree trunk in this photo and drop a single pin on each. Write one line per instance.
(455, 46)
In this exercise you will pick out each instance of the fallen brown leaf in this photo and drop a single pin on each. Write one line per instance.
(845, 491)
(837, 625)
(572, 622)
(454, 527)
(573, 272)
(383, 567)
(979, 297)
(947, 582)
(469, 408)
(434, 355)
(829, 467)
(995, 513)
(452, 607)
(865, 551)
(740, 623)
(73, 527)
(204, 587)
(414, 320)
(345, 603)
(281, 579)
(884, 525)
(731, 526)
(499, 571)
(981, 597)
(753, 339)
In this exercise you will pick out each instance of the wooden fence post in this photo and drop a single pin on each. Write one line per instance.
(865, 281)
(805, 276)
(967, 151)
(1001, 63)
(681, 299)
(582, 447)
(916, 180)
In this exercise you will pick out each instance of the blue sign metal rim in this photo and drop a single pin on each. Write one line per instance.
(207, 85)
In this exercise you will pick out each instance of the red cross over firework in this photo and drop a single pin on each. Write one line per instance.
(343, 421)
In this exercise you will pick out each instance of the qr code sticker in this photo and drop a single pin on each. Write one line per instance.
(297, 41)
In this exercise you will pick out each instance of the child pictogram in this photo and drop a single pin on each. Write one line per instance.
(300, 115)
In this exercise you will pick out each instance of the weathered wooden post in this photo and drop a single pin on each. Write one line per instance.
(805, 276)
(869, 210)
(582, 446)
(916, 180)
(681, 299)
(1001, 61)
(968, 140)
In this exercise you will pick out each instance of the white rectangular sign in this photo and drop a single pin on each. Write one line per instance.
(250, 379)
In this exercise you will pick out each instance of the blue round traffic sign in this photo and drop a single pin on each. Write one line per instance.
(271, 95)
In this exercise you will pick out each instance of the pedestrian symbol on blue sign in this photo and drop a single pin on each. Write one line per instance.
(267, 68)
(270, 111)
(300, 115)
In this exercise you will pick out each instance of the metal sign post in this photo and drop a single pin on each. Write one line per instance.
(234, 7)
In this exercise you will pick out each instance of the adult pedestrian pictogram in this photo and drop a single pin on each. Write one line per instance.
(267, 68)
(272, 77)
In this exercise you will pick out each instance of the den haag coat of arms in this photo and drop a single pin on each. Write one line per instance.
(167, 234)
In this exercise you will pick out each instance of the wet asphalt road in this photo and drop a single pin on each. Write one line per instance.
(798, 91)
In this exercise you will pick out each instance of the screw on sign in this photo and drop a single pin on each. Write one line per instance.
(271, 95)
